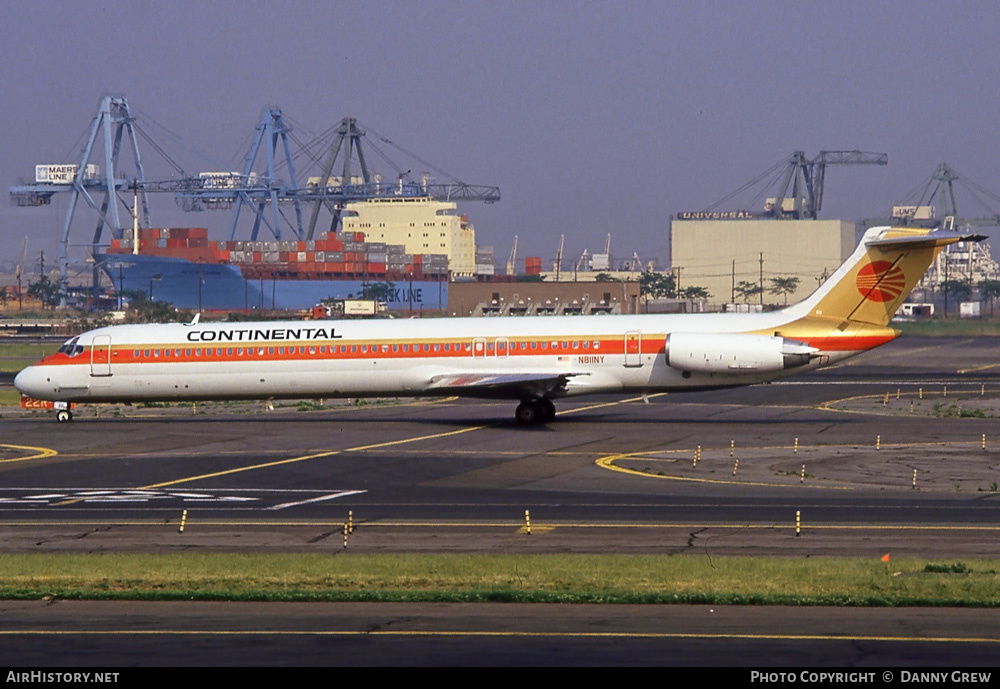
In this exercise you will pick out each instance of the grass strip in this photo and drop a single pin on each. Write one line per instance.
(973, 327)
(14, 356)
(647, 579)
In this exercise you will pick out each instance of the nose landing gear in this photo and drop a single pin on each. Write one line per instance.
(535, 411)
(64, 411)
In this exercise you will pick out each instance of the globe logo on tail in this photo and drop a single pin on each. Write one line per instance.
(880, 281)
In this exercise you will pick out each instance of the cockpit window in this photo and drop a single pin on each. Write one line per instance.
(71, 347)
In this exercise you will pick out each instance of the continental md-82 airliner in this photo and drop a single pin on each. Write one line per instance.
(532, 360)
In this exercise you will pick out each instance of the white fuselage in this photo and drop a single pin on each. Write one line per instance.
(303, 359)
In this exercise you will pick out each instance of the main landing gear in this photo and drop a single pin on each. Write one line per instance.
(535, 411)
(64, 416)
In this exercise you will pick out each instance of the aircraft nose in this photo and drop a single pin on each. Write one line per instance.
(32, 382)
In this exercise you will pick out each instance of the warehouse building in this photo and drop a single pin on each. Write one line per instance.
(720, 254)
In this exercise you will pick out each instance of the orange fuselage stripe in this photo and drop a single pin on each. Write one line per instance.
(329, 349)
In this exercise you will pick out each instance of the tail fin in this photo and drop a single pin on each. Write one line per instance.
(872, 284)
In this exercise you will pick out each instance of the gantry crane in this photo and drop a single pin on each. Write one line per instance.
(939, 189)
(800, 191)
(262, 192)
(85, 179)
(806, 180)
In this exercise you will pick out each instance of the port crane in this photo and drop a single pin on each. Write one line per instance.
(799, 194)
(258, 189)
(806, 177)
(939, 189)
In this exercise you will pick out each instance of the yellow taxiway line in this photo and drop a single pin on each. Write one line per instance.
(40, 453)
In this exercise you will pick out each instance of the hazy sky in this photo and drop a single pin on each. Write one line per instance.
(592, 117)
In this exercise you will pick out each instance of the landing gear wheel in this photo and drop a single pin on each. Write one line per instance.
(535, 411)
(63, 416)
(548, 410)
(527, 413)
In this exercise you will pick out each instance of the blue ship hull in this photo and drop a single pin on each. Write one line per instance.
(222, 287)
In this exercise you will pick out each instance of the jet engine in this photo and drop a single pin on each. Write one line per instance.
(735, 353)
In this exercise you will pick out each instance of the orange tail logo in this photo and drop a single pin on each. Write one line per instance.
(879, 281)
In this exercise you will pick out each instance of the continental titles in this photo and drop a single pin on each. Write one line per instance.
(254, 334)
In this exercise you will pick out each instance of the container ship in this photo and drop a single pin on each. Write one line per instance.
(183, 267)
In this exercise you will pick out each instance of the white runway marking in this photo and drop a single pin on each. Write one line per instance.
(47, 497)
(330, 496)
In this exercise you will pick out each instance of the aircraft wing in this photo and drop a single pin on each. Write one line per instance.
(499, 385)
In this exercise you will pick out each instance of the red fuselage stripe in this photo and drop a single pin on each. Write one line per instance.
(479, 348)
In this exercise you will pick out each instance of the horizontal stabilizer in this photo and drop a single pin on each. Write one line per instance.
(926, 242)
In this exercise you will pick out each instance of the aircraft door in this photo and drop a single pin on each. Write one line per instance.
(479, 347)
(100, 356)
(633, 348)
(502, 348)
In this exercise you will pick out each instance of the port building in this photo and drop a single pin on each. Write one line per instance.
(719, 254)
